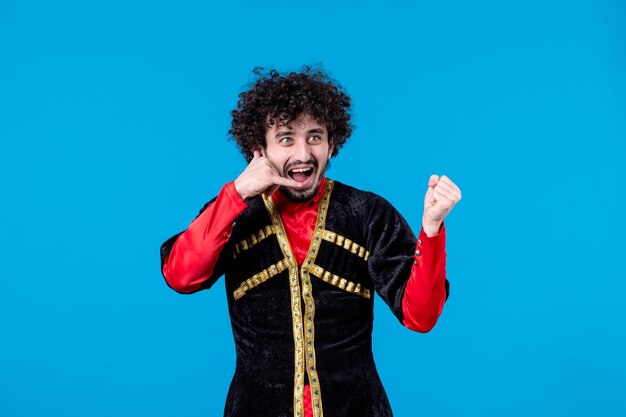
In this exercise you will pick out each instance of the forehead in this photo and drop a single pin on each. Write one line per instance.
(303, 121)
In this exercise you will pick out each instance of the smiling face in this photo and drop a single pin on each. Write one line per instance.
(300, 150)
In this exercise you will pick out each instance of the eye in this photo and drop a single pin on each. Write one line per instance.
(285, 140)
(314, 139)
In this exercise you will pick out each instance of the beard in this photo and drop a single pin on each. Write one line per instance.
(303, 195)
(300, 196)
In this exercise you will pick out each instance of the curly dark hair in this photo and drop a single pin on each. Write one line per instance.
(275, 97)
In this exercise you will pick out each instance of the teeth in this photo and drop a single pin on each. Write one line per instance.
(300, 170)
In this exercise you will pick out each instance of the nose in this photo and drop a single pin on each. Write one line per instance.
(302, 152)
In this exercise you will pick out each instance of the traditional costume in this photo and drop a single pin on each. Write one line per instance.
(300, 281)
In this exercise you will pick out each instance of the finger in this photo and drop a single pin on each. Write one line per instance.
(444, 192)
(444, 197)
(449, 182)
(286, 182)
(272, 168)
(450, 185)
(445, 186)
(257, 154)
(432, 181)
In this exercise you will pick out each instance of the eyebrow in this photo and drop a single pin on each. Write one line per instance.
(289, 132)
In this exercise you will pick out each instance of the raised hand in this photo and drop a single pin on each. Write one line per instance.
(260, 176)
(441, 196)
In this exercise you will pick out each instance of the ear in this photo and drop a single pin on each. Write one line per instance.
(331, 148)
(250, 154)
(257, 148)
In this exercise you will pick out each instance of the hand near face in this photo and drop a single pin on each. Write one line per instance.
(260, 176)
(441, 197)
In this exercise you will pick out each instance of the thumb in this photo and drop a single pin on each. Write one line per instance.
(428, 197)
(256, 154)
(433, 180)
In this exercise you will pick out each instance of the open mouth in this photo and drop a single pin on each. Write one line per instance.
(301, 174)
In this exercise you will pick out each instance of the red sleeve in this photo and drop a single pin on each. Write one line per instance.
(196, 251)
(425, 292)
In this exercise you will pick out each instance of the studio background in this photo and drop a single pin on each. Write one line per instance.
(113, 124)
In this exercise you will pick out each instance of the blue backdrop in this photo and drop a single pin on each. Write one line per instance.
(113, 121)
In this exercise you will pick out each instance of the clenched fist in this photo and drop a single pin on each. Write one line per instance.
(441, 196)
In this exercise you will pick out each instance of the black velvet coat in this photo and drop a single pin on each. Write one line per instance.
(312, 324)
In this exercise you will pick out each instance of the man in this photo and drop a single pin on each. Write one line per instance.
(303, 254)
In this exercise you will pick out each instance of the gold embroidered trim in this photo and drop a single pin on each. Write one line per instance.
(255, 238)
(309, 302)
(259, 278)
(296, 314)
(337, 281)
(346, 243)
